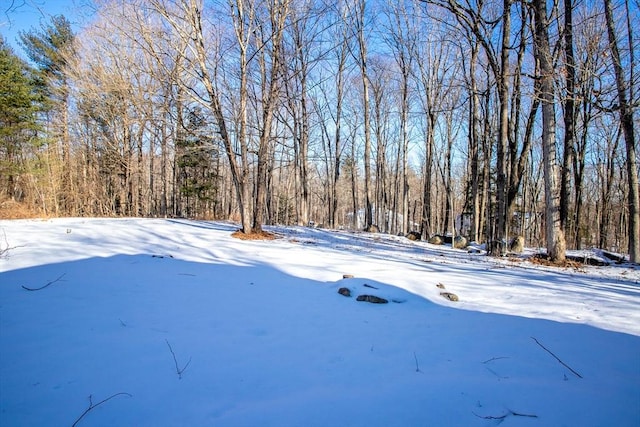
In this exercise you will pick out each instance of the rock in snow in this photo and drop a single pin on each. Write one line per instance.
(372, 299)
(344, 291)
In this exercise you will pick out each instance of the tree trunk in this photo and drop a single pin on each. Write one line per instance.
(474, 121)
(626, 121)
(427, 220)
(239, 171)
(556, 245)
(569, 118)
(337, 136)
(518, 158)
(500, 232)
(273, 53)
(362, 45)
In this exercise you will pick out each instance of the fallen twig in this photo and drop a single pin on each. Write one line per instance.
(91, 405)
(416, 358)
(42, 287)
(491, 370)
(502, 377)
(557, 358)
(494, 358)
(491, 417)
(178, 370)
(515, 414)
(502, 417)
(4, 249)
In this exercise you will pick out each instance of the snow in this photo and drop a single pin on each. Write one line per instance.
(262, 337)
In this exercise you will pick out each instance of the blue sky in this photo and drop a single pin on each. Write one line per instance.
(22, 15)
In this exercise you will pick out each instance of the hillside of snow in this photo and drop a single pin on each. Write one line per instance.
(144, 322)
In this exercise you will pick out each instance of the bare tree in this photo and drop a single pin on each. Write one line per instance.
(329, 108)
(185, 18)
(569, 113)
(473, 194)
(402, 40)
(589, 56)
(471, 16)
(357, 14)
(626, 121)
(271, 60)
(271, 110)
(304, 53)
(383, 90)
(432, 74)
(556, 246)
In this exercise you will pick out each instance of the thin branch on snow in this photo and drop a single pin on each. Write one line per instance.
(42, 287)
(4, 249)
(494, 358)
(92, 405)
(491, 417)
(515, 414)
(416, 358)
(178, 370)
(502, 377)
(557, 358)
(502, 417)
(491, 370)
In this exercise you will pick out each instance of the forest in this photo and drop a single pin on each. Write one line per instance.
(483, 118)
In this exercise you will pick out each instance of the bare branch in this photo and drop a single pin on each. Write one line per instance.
(92, 405)
(4, 249)
(416, 359)
(42, 287)
(175, 361)
(557, 358)
(494, 358)
(502, 417)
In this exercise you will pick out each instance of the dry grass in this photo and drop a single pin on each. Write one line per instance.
(10, 209)
(263, 235)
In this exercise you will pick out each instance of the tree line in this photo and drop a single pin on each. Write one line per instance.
(484, 118)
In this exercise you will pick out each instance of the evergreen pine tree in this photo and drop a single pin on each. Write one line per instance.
(18, 124)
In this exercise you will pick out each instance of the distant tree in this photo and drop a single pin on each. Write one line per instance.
(302, 47)
(49, 49)
(357, 11)
(18, 124)
(330, 109)
(471, 16)
(403, 40)
(195, 152)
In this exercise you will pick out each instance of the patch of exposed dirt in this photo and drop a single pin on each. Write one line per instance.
(569, 262)
(263, 235)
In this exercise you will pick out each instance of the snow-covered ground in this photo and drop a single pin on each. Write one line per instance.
(175, 323)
